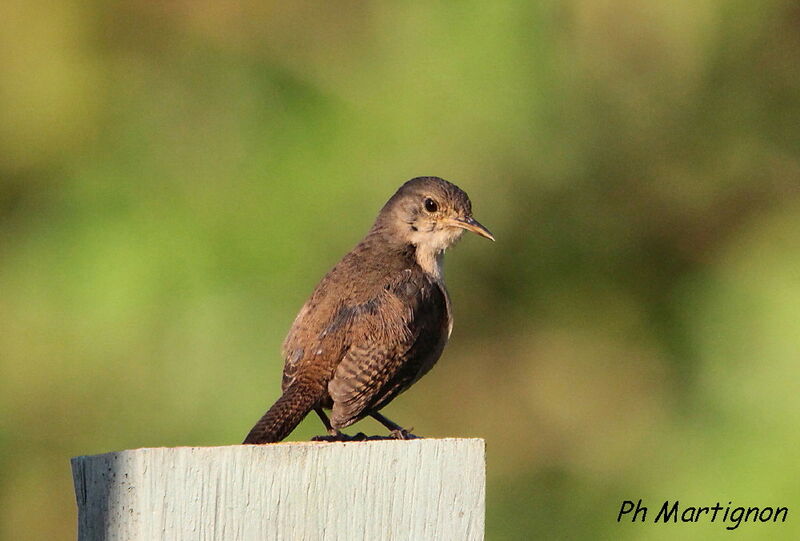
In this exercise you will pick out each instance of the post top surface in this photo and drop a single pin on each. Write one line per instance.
(300, 445)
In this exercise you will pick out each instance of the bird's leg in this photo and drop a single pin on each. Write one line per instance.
(327, 422)
(397, 431)
(333, 433)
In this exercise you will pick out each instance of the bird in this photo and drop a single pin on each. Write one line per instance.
(378, 321)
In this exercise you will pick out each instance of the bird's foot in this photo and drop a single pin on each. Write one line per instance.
(403, 434)
(340, 436)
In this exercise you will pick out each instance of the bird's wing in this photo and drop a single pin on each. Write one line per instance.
(390, 346)
(318, 339)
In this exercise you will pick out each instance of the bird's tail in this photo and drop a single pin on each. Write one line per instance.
(297, 400)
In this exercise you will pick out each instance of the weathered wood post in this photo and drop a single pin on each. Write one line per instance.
(415, 489)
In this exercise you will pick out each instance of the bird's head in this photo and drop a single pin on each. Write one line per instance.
(431, 214)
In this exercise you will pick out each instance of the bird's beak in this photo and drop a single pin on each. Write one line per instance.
(471, 224)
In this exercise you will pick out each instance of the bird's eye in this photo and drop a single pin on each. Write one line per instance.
(430, 205)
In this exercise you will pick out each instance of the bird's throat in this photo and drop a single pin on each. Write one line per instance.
(431, 260)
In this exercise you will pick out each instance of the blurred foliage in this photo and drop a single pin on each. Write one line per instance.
(175, 177)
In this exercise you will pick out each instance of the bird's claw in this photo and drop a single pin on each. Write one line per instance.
(340, 436)
(403, 434)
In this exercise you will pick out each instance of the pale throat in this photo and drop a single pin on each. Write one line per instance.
(430, 247)
(431, 260)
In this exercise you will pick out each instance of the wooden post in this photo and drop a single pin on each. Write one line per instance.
(375, 490)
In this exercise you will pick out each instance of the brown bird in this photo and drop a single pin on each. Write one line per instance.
(378, 321)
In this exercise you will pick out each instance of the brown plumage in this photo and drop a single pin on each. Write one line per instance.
(379, 320)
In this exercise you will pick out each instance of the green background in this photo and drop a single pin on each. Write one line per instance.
(176, 176)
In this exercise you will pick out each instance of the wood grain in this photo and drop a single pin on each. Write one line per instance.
(415, 489)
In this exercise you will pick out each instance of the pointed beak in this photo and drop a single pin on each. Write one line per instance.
(471, 224)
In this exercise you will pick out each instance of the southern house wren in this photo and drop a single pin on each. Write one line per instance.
(378, 321)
